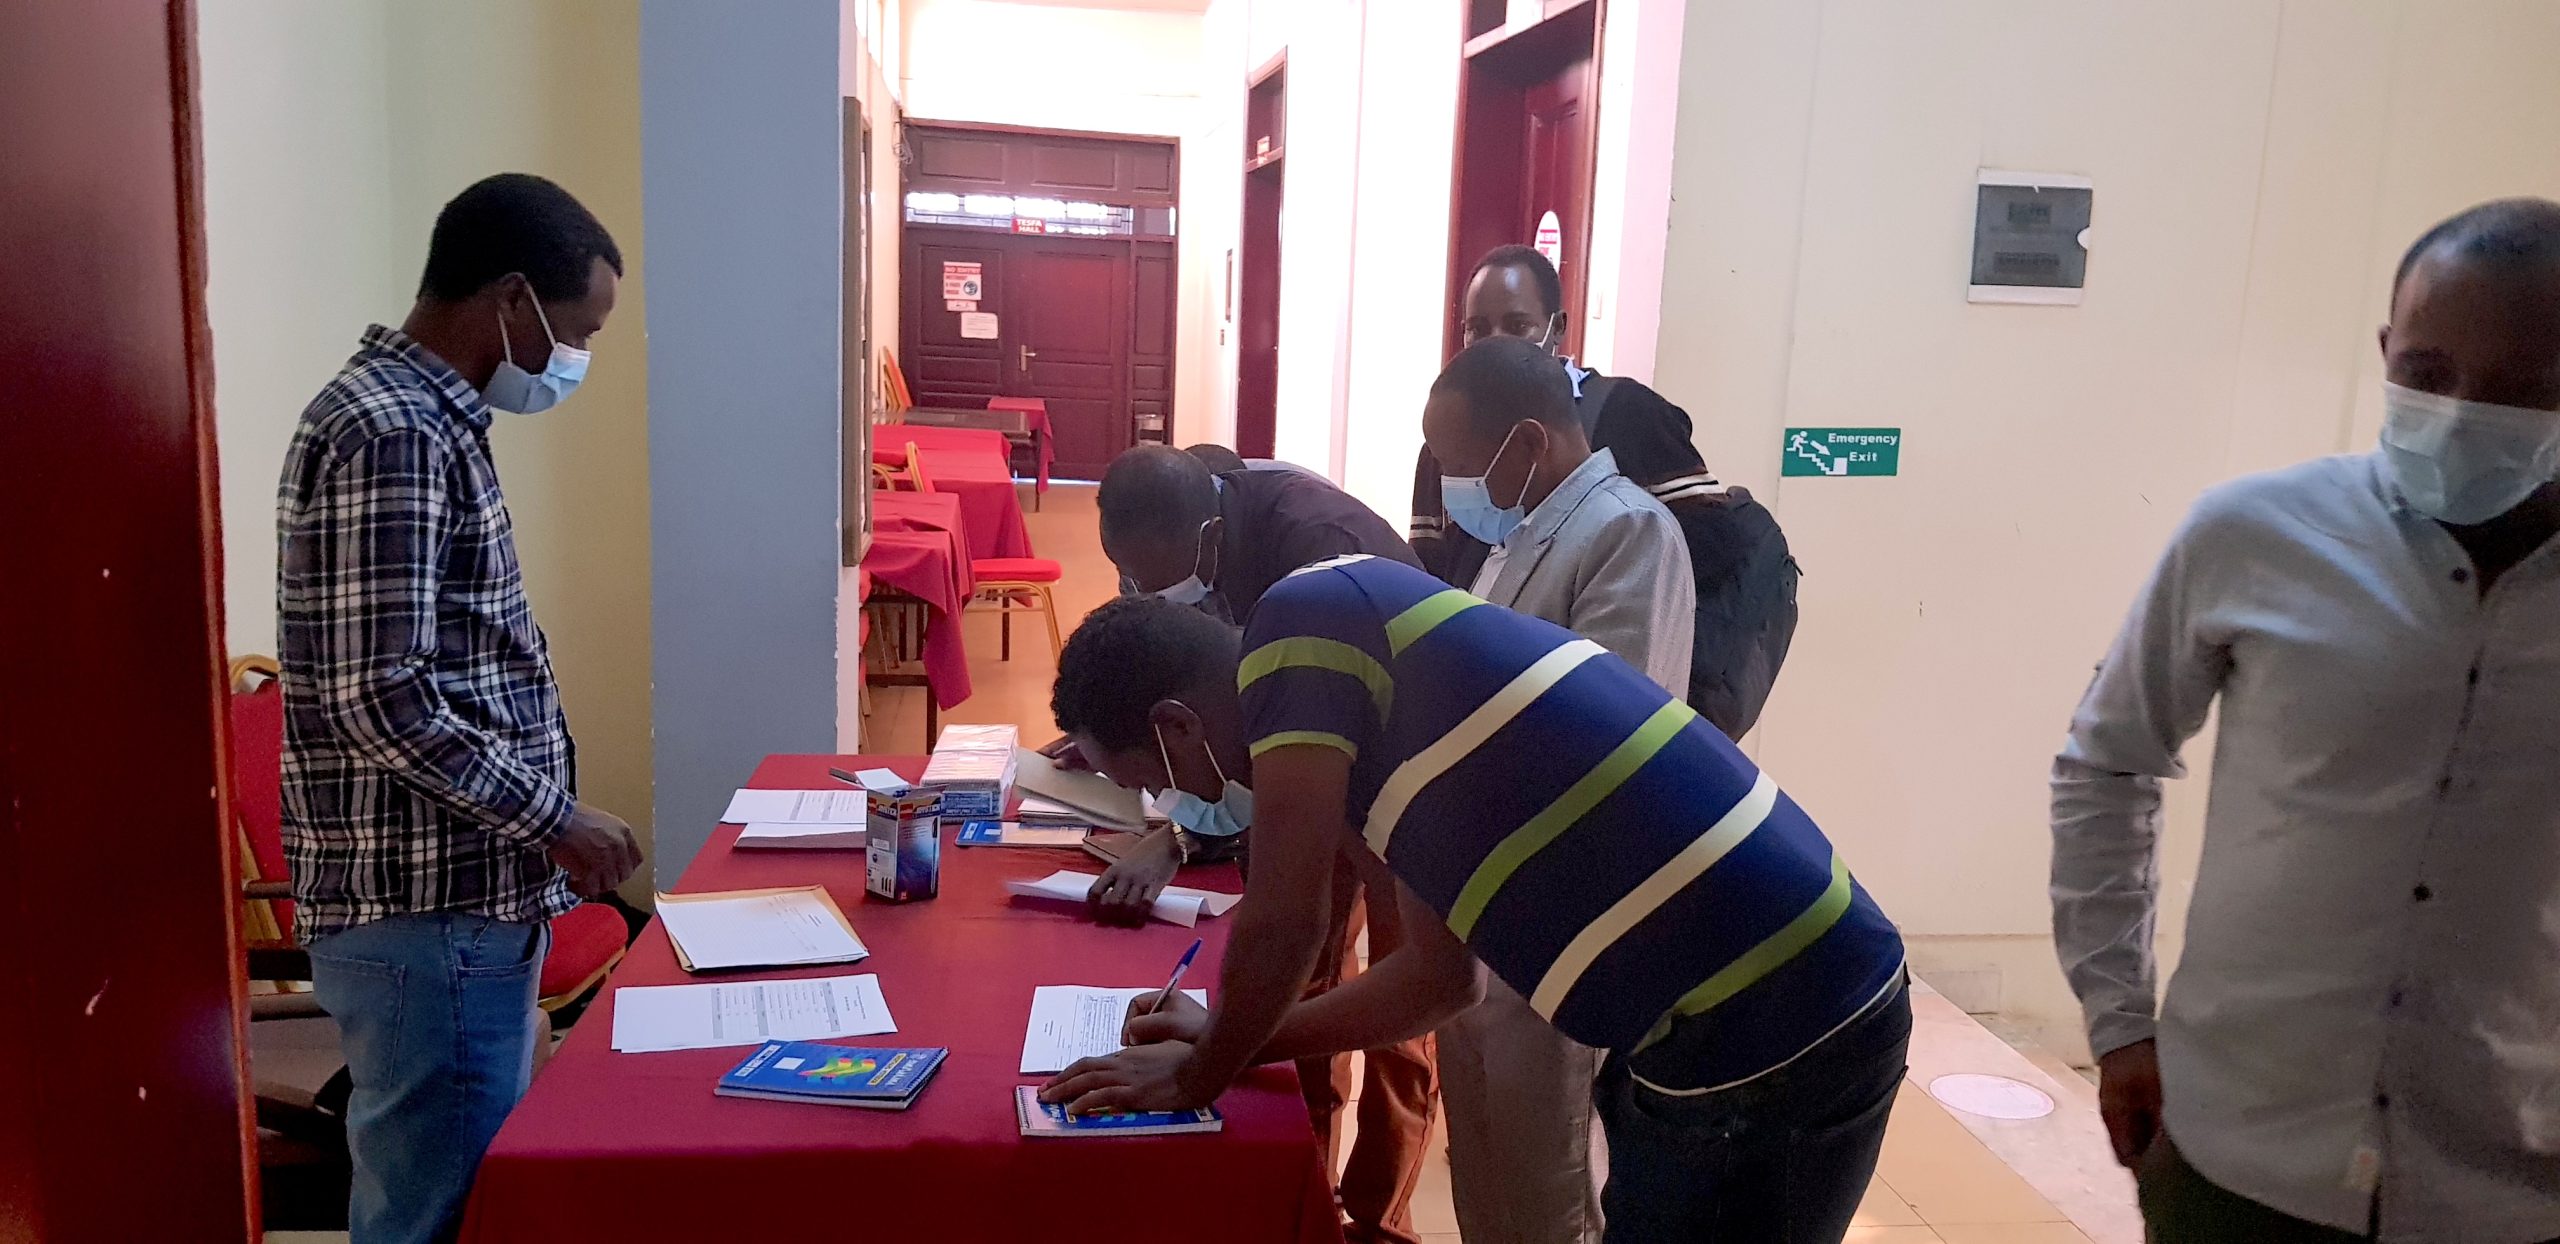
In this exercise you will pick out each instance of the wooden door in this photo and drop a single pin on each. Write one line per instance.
(123, 1114)
(1258, 314)
(1066, 339)
(945, 365)
(1555, 173)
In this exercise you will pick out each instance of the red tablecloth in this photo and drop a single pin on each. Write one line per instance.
(984, 484)
(1035, 411)
(889, 442)
(931, 564)
(635, 1148)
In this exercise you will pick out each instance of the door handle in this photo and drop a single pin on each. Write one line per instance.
(1026, 353)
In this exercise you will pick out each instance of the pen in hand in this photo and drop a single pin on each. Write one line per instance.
(1175, 983)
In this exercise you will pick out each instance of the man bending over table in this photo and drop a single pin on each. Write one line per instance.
(1544, 810)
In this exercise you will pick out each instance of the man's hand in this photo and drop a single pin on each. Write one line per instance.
(1182, 1019)
(2129, 1099)
(1126, 892)
(1068, 756)
(597, 850)
(1146, 1077)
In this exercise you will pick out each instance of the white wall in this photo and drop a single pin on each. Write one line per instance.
(1053, 66)
(2259, 165)
(334, 130)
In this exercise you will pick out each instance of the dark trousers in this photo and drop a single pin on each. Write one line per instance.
(1783, 1159)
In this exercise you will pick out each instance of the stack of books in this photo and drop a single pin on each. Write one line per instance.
(973, 769)
(833, 1075)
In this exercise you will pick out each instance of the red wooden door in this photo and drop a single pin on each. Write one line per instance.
(946, 366)
(1556, 175)
(1258, 314)
(1066, 340)
(123, 1114)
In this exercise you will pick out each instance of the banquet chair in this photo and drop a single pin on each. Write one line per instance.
(1006, 585)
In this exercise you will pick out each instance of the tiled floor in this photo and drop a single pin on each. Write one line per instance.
(1941, 1179)
(1945, 1178)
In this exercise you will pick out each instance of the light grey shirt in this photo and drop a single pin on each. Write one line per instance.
(1601, 558)
(2369, 998)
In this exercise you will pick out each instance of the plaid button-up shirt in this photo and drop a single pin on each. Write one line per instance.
(426, 760)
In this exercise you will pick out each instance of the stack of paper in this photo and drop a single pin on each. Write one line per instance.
(648, 1018)
(1069, 1022)
(1180, 905)
(845, 806)
(758, 928)
(1057, 796)
(973, 768)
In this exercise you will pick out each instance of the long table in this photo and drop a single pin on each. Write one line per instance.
(635, 1147)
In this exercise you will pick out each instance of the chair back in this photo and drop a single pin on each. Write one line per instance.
(257, 796)
(915, 469)
(894, 393)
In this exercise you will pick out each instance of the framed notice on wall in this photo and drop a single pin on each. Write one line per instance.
(2030, 237)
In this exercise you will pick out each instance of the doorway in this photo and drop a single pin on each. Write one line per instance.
(1258, 284)
(1527, 121)
(1041, 263)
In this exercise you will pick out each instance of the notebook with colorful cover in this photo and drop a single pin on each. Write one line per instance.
(1041, 1120)
(833, 1075)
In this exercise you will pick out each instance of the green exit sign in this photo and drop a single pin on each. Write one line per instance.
(1842, 451)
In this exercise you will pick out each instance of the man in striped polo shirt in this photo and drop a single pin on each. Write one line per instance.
(1546, 812)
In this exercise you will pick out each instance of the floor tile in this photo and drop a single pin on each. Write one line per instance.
(1891, 1235)
(2012, 1233)
(1947, 1176)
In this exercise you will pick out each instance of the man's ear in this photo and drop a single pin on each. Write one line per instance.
(2382, 337)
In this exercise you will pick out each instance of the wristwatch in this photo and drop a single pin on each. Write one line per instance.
(1188, 846)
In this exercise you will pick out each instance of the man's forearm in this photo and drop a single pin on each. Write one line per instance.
(1397, 999)
(1269, 959)
(399, 722)
(2105, 891)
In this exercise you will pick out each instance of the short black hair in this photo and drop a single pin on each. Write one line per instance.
(1129, 654)
(515, 222)
(1527, 259)
(1218, 458)
(2511, 233)
(1155, 490)
(1504, 380)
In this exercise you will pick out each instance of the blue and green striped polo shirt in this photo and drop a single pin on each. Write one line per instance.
(1603, 849)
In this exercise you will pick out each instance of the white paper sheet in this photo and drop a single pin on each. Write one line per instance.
(648, 1018)
(800, 807)
(1081, 793)
(763, 930)
(1180, 905)
(785, 835)
(1069, 1022)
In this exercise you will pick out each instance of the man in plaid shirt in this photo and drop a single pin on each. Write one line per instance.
(431, 818)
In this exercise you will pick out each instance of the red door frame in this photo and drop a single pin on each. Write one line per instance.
(1257, 279)
(124, 1113)
(1487, 182)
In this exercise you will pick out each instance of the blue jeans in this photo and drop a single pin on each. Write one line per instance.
(1783, 1159)
(436, 1012)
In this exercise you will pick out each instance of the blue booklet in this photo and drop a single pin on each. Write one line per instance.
(834, 1075)
(1040, 1119)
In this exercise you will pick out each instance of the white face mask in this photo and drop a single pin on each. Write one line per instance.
(2464, 462)
(512, 388)
(1193, 590)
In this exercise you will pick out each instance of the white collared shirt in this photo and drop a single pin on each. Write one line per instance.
(2369, 1000)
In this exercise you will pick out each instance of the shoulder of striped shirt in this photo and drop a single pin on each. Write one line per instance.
(1331, 563)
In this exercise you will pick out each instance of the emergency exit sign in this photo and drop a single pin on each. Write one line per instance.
(1842, 451)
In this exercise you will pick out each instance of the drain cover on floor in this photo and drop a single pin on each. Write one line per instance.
(1992, 1097)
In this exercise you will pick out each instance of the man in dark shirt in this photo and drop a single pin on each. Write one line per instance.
(1746, 578)
(1218, 542)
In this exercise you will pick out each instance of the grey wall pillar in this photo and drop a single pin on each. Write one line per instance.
(742, 191)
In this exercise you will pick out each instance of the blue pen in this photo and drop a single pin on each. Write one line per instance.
(1178, 970)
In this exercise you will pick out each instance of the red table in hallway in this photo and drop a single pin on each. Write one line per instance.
(635, 1147)
(920, 546)
(984, 484)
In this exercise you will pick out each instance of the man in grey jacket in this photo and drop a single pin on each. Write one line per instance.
(1580, 545)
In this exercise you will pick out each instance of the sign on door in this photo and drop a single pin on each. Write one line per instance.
(962, 282)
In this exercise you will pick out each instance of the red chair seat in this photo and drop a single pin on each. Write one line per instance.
(583, 940)
(1017, 569)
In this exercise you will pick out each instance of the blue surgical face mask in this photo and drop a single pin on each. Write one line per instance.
(512, 388)
(1193, 590)
(2463, 462)
(1225, 817)
(1470, 503)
